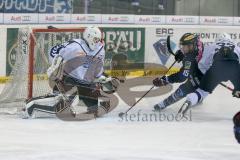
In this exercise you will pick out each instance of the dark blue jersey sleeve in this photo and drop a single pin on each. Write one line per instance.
(180, 76)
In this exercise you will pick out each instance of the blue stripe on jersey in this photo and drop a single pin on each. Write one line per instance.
(198, 95)
(98, 52)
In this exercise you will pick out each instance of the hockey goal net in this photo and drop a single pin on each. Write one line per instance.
(28, 77)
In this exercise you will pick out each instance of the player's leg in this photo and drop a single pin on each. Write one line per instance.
(63, 96)
(207, 84)
(236, 81)
(218, 72)
(180, 93)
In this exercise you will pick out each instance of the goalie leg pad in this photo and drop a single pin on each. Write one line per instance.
(48, 106)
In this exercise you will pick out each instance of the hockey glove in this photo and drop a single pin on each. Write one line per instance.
(158, 82)
(102, 79)
(179, 56)
(111, 86)
(236, 121)
(236, 93)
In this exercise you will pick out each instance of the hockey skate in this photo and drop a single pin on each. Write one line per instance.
(159, 107)
(184, 108)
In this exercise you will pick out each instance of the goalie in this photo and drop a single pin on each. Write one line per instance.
(77, 78)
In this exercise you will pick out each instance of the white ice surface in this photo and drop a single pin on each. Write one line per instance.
(209, 136)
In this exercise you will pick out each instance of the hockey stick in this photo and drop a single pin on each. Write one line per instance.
(227, 87)
(171, 52)
(169, 46)
(123, 113)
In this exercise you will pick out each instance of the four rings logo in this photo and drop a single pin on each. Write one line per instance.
(60, 18)
(26, 18)
(223, 20)
(189, 20)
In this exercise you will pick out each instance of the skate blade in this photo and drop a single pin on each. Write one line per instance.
(184, 108)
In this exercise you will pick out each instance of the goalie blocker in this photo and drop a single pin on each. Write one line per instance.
(77, 99)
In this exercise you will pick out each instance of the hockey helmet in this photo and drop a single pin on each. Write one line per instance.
(188, 38)
(223, 37)
(92, 35)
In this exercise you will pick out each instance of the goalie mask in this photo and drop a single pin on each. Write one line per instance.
(92, 35)
(110, 86)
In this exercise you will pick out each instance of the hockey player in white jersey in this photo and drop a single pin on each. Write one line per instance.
(76, 74)
(220, 62)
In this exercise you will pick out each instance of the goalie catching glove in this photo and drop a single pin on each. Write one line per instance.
(109, 85)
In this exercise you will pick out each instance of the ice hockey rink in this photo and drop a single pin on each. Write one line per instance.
(208, 136)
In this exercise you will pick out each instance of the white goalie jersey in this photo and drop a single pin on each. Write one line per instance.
(79, 60)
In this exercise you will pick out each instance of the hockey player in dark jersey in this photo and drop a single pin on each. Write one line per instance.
(219, 63)
(236, 121)
(189, 54)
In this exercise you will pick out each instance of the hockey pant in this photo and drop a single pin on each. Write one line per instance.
(221, 71)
